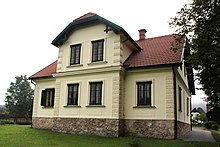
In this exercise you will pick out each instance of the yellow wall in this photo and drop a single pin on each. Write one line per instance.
(183, 73)
(39, 111)
(182, 115)
(116, 103)
(119, 86)
(110, 98)
(160, 97)
(83, 111)
(84, 36)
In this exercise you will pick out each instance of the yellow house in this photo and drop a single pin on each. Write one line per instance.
(105, 83)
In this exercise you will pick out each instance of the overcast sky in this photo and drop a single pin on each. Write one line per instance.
(27, 28)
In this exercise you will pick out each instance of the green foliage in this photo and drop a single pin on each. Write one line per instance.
(3, 112)
(201, 110)
(19, 98)
(200, 21)
(210, 124)
(20, 135)
(216, 135)
(201, 117)
(214, 114)
(215, 127)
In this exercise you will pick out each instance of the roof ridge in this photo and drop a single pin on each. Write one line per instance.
(157, 37)
(89, 14)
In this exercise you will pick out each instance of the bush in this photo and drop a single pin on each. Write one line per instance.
(208, 125)
(211, 125)
(24, 123)
(215, 127)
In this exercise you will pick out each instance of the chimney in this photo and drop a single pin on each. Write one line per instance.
(142, 34)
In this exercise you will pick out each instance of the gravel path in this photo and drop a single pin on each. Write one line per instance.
(198, 135)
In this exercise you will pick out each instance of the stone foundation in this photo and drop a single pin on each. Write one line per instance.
(150, 128)
(43, 122)
(112, 127)
(183, 128)
(89, 126)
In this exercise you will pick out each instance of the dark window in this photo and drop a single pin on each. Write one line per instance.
(180, 99)
(144, 93)
(75, 54)
(97, 50)
(47, 97)
(187, 106)
(73, 90)
(95, 93)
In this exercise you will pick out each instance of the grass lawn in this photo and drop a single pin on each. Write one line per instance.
(216, 135)
(18, 135)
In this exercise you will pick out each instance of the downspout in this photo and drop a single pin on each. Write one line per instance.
(175, 102)
(33, 82)
(190, 109)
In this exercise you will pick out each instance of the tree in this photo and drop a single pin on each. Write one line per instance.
(200, 110)
(19, 98)
(200, 118)
(3, 112)
(200, 22)
(214, 114)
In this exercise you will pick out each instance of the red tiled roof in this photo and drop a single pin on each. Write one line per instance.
(86, 15)
(46, 72)
(194, 110)
(156, 51)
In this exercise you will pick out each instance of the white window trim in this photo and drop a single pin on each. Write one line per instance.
(152, 92)
(81, 55)
(40, 93)
(79, 93)
(103, 93)
(104, 52)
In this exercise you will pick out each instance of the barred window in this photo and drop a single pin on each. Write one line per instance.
(144, 93)
(75, 54)
(73, 90)
(97, 50)
(95, 93)
(180, 98)
(47, 97)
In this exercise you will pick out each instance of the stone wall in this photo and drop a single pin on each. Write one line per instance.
(150, 128)
(183, 128)
(89, 126)
(112, 127)
(42, 122)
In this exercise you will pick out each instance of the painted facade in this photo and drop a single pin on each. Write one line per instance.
(118, 113)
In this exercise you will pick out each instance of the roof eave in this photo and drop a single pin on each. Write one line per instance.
(63, 36)
(42, 77)
(155, 65)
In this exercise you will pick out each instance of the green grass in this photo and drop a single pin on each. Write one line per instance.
(216, 135)
(25, 136)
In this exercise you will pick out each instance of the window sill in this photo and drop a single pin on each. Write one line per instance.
(72, 106)
(47, 107)
(74, 65)
(143, 106)
(98, 62)
(96, 106)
